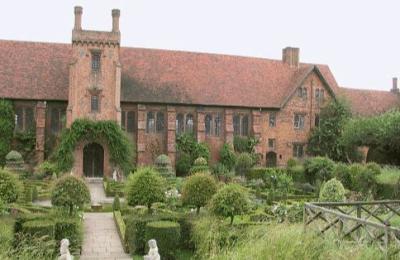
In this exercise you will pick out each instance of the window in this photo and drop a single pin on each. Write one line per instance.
(298, 121)
(130, 122)
(271, 143)
(189, 123)
(319, 95)
(94, 103)
(180, 128)
(272, 119)
(302, 92)
(208, 124)
(24, 119)
(160, 123)
(245, 125)
(217, 125)
(316, 122)
(54, 120)
(236, 125)
(241, 125)
(96, 58)
(150, 126)
(298, 150)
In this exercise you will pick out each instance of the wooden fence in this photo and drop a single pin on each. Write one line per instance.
(363, 222)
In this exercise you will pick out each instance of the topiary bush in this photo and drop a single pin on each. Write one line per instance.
(332, 191)
(167, 234)
(70, 192)
(244, 164)
(318, 169)
(163, 165)
(200, 165)
(227, 156)
(198, 190)
(10, 187)
(229, 201)
(145, 187)
(188, 150)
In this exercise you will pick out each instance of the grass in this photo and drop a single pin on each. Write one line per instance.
(389, 175)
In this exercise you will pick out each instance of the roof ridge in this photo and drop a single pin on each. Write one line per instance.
(365, 89)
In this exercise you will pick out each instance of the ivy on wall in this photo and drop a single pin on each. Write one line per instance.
(120, 148)
(6, 128)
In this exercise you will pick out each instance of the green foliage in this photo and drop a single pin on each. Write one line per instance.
(113, 188)
(188, 150)
(229, 201)
(145, 187)
(6, 128)
(200, 165)
(163, 165)
(183, 164)
(10, 187)
(324, 140)
(220, 169)
(14, 156)
(35, 193)
(167, 234)
(116, 203)
(342, 174)
(47, 169)
(39, 228)
(198, 190)
(25, 142)
(227, 156)
(30, 247)
(119, 146)
(244, 163)
(332, 191)
(70, 192)
(318, 169)
(374, 168)
(71, 229)
(28, 194)
(363, 179)
(121, 228)
(243, 144)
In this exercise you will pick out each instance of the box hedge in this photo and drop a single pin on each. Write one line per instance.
(39, 227)
(71, 229)
(167, 234)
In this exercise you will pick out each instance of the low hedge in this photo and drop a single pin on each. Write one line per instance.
(39, 227)
(264, 173)
(112, 188)
(121, 228)
(71, 229)
(167, 234)
(21, 219)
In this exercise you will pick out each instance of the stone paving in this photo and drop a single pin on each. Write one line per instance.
(101, 240)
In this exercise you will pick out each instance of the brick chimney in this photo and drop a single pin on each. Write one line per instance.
(395, 89)
(78, 18)
(115, 20)
(291, 56)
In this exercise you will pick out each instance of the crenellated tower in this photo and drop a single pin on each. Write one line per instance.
(95, 72)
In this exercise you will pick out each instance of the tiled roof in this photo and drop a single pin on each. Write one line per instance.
(39, 71)
(370, 102)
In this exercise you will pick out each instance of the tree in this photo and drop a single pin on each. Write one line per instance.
(145, 187)
(70, 192)
(198, 190)
(324, 139)
(230, 201)
(6, 129)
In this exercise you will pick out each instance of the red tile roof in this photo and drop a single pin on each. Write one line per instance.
(39, 71)
(370, 102)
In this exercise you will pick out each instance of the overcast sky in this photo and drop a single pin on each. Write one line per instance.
(358, 39)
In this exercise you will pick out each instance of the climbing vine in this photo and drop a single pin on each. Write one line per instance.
(121, 149)
(6, 128)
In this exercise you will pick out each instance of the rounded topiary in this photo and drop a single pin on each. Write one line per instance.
(200, 162)
(14, 161)
(10, 187)
(145, 187)
(167, 234)
(198, 190)
(199, 165)
(70, 192)
(163, 165)
(332, 191)
(244, 164)
(229, 201)
(14, 156)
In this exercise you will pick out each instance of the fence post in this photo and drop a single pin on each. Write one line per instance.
(305, 219)
(359, 217)
(386, 241)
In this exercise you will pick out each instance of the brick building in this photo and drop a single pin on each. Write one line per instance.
(156, 94)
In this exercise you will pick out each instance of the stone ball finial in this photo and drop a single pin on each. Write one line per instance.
(153, 251)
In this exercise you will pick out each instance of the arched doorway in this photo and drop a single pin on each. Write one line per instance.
(271, 159)
(93, 160)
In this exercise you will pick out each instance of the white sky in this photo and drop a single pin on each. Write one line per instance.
(358, 39)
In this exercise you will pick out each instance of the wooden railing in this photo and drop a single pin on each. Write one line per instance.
(363, 222)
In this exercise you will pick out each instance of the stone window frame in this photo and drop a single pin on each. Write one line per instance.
(298, 149)
(272, 119)
(182, 123)
(95, 61)
(24, 124)
(272, 143)
(127, 125)
(95, 106)
(158, 125)
(299, 120)
(302, 92)
(213, 124)
(239, 121)
(57, 119)
(320, 95)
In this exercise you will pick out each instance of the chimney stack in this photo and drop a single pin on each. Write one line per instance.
(291, 56)
(78, 18)
(395, 89)
(115, 17)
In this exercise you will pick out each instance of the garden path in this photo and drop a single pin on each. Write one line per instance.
(101, 239)
(97, 194)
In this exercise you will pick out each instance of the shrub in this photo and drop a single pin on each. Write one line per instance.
(47, 169)
(332, 191)
(292, 163)
(229, 201)
(244, 144)
(227, 156)
(163, 165)
(70, 192)
(198, 190)
(200, 165)
(187, 144)
(35, 193)
(342, 174)
(183, 164)
(6, 128)
(363, 179)
(116, 203)
(2, 207)
(244, 164)
(121, 228)
(167, 234)
(71, 229)
(201, 150)
(220, 169)
(318, 169)
(10, 187)
(28, 194)
(145, 187)
(39, 228)
(14, 156)
(374, 168)
(31, 247)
